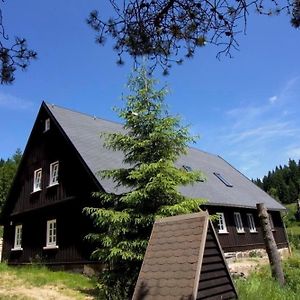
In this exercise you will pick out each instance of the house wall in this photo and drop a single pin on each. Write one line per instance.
(234, 241)
(63, 202)
(72, 226)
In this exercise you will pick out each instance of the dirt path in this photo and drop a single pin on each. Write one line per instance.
(13, 288)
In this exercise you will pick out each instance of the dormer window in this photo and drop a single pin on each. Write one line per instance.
(47, 125)
(37, 180)
(54, 173)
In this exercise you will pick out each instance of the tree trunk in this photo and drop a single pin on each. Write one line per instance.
(271, 247)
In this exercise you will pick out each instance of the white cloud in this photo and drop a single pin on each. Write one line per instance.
(14, 103)
(273, 99)
(263, 133)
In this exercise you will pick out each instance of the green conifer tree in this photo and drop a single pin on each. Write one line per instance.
(8, 169)
(153, 142)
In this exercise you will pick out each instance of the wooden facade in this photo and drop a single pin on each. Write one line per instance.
(234, 241)
(65, 201)
(215, 282)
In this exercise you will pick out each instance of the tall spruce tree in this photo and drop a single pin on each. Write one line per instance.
(153, 142)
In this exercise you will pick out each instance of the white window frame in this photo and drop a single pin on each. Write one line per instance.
(238, 222)
(221, 223)
(251, 223)
(271, 222)
(47, 125)
(53, 178)
(37, 180)
(51, 236)
(18, 238)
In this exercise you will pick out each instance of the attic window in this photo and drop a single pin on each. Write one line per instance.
(223, 179)
(54, 173)
(190, 169)
(47, 125)
(37, 180)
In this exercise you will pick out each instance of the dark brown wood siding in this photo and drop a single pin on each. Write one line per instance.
(234, 241)
(63, 202)
(71, 224)
(214, 282)
(43, 149)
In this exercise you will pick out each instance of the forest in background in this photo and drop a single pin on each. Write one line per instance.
(8, 169)
(282, 183)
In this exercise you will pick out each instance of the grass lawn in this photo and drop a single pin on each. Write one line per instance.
(34, 282)
(260, 285)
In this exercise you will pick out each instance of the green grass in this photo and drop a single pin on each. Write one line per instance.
(1, 231)
(260, 285)
(76, 285)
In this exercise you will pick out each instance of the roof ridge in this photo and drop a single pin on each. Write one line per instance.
(52, 105)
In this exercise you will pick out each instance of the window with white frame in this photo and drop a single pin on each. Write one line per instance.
(47, 125)
(271, 221)
(251, 223)
(54, 173)
(51, 233)
(18, 238)
(37, 180)
(221, 223)
(238, 222)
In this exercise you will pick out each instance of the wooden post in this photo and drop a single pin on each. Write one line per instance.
(271, 247)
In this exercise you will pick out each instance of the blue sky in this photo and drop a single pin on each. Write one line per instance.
(245, 109)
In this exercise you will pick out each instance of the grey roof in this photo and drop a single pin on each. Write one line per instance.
(84, 133)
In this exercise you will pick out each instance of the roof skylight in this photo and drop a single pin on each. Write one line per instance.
(187, 168)
(223, 179)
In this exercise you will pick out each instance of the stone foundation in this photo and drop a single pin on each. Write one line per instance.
(243, 262)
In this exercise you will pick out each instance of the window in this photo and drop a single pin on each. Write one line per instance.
(223, 179)
(251, 223)
(47, 125)
(238, 222)
(51, 234)
(187, 168)
(18, 238)
(54, 173)
(271, 222)
(37, 181)
(221, 223)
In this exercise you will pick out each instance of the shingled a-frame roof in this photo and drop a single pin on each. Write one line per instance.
(184, 261)
(83, 131)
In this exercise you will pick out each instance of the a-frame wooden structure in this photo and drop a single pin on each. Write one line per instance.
(183, 261)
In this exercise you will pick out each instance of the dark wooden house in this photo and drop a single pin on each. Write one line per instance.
(43, 218)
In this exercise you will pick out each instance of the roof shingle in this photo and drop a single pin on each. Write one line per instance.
(84, 133)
